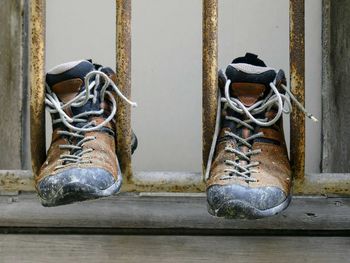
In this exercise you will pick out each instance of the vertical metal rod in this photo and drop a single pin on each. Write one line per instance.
(297, 83)
(123, 34)
(210, 73)
(37, 87)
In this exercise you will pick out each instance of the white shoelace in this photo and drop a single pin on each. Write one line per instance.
(274, 98)
(54, 106)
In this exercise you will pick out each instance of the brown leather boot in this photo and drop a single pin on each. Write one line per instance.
(81, 161)
(248, 173)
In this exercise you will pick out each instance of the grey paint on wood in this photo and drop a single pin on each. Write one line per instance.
(335, 91)
(80, 248)
(12, 91)
(166, 211)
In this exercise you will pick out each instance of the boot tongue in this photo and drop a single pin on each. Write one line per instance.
(248, 93)
(66, 80)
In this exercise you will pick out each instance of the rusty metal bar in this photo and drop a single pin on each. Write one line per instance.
(123, 33)
(37, 87)
(297, 84)
(210, 73)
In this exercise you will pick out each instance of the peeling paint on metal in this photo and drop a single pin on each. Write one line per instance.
(37, 74)
(123, 70)
(210, 73)
(297, 83)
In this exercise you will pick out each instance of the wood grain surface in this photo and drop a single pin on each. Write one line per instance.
(82, 248)
(175, 212)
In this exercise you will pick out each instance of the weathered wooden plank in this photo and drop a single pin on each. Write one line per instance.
(327, 91)
(82, 248)
(12, 89)
(177, 213)
(323, 184)
(22, 180)
(315, 184)
(165, 182)
(335, 91)
(16, 180)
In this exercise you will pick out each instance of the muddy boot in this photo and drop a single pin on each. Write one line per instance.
(81, 162)
(248, 172)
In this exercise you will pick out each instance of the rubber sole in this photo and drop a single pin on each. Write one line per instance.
(237, 209)
(77, 192)
(79, 186)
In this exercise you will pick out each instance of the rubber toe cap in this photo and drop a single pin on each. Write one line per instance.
(77, 184)
(251, 201)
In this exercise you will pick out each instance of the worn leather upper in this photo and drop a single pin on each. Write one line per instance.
(103, 154)
(274, 168)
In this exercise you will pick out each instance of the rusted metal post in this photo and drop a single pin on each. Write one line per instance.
(124, 83)
(37, 83)
(210, 73)
(297, 84)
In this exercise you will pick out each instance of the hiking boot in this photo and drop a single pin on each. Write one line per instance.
(81, 162)
(248, 172)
